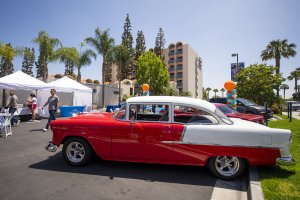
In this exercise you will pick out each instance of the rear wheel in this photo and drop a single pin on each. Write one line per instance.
(226, 167)
(77, 152)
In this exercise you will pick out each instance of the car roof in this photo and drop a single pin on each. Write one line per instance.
(172, 99)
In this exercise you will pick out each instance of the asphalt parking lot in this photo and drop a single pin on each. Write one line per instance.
(28, 171)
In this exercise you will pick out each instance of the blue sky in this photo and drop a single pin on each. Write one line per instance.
(215, 29)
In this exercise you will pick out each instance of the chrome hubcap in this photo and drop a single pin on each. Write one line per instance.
(75, 152)
(227, 165)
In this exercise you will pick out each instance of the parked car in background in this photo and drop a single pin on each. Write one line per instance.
(230, 112)
(246, 106)
(295, 105)
(188, 132)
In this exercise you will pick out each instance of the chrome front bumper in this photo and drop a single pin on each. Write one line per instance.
(288, 161)
(51, 147)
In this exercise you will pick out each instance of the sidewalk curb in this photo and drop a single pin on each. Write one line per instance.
(254, 190)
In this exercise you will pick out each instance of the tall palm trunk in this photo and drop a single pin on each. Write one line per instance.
(296, 85)
(103, 80)
(78, 75)
(277, 63)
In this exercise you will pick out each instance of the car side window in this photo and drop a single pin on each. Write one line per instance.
(149, 112)
(192, 115)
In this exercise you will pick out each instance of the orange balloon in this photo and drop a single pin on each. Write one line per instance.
(229, 85)
(145, 87)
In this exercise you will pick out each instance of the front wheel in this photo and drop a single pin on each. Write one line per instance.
(77, 152)
(226, 167)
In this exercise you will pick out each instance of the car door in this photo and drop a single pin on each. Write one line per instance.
(189, 148)
(147, 137)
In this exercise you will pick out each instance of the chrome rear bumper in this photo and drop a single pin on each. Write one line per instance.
(288, 161)
(51, 147)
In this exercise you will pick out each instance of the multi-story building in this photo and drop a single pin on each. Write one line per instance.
(185, 68)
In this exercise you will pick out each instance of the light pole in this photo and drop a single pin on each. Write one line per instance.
(237, 59)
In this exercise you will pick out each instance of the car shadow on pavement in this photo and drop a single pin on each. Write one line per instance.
(148, 172)
(274, 172)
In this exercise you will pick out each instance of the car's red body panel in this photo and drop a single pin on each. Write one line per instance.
(149, 142)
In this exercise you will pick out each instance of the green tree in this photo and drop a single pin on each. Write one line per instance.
(170, 91)
(277, 49)
(159, 42)
(28, 61)
(47, 48)
(257, 82)
(222, 90)
(215, 91)
(152, 70)
(208, 90)
(127, 41)
(102, 43)
(7, 54)
(140, 45)
(284, 87)
(204, 94)
(296, 76)
(70, 57)
(121, 57)
(185, 94)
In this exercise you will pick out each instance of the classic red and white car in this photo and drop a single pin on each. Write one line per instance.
(230, 112)
(189, 132)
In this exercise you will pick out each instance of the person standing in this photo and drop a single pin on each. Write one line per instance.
(12, 105)
(53, 102)
(32, 104)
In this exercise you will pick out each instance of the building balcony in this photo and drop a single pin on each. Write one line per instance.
(171, 69)
(171, 61)
(179, 60)
(171, 53)
(179, 85)
(179, 67)
(179, 51)
(179, 76)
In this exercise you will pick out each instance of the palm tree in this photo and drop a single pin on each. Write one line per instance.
(47, 50)
(68, 56)
(215, 91)
(208, 89)
(277, 49)
(102, 43)
(85, 58)
(222, 90)
(284, 87)
(295, 75)
(120, 56)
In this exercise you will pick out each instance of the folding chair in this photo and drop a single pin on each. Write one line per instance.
(5, 125)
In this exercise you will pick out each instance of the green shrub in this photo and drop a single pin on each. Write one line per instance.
(58, 76)
(96, 82)
(89, 80)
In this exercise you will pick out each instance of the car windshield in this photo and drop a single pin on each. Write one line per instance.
(223, 117)
(227, 110)
(120, 114)
(247, 102)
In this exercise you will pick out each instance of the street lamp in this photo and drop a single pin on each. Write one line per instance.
(237, 59)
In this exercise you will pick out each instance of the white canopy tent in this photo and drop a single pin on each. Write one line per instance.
(22, 82)
(71, 93)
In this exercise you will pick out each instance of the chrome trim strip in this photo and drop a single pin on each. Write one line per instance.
(183, 133)
(219, 145)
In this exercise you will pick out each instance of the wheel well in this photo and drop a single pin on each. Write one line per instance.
(68, 137)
